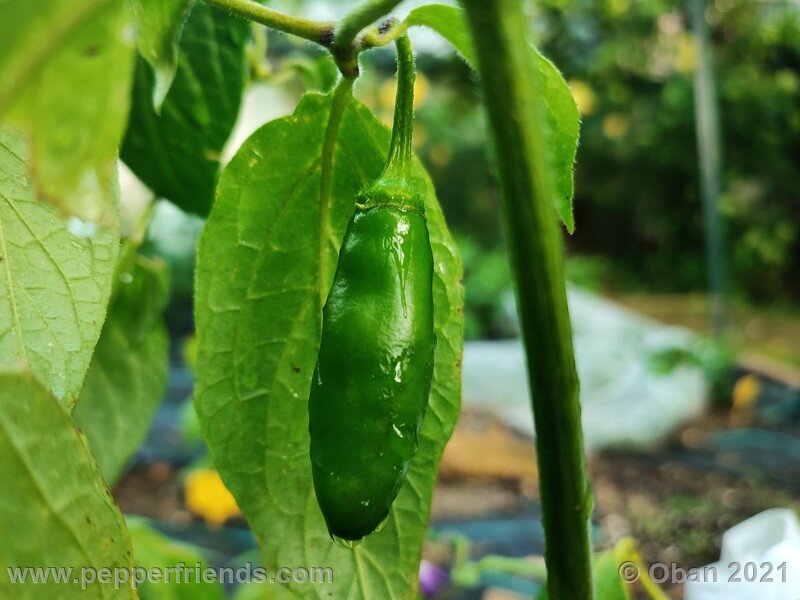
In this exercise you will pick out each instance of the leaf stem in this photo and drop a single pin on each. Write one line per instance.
(320, 32)
(342, 95)
(513, 103)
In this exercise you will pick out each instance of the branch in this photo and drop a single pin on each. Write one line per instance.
(362, 17)
(345, 45)
(320, 32)
(385, 33)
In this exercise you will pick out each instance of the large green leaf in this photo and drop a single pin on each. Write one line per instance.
(65, 75)
(55, 280)
(55, 510)
(177, 152)
(158, 27)
(128, 374)
(154, 550)
(558, 106)
(258, 324)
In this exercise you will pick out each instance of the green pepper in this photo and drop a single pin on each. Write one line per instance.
(375, 365)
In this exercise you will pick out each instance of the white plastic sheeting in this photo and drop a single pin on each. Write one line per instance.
(626, 400)
(760, 558)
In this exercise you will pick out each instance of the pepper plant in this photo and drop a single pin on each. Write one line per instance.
(158, 84)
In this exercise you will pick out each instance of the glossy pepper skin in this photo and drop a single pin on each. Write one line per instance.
(375, 365)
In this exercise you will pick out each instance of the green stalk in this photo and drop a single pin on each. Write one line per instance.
(361, 17)
(345, 45)
(400, 147)
(386, 33)
(397, 183)
(314, 31)
(512, 101)
(341, 39)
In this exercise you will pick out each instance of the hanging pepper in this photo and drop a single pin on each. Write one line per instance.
(373, 375)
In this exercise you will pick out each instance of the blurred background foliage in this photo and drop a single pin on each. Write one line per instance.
(630, 66)
(638, 215)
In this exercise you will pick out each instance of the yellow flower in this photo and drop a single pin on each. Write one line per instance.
(208, 497)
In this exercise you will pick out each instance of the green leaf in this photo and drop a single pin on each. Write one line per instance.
(258, 321)
(177, 152)
(159, 24)
(261, 591)
(606, 577)
(55, 279)
(128, 374)
(607, 582)
(65, 76)
(154, 550)
(449, 22)
(55, 510)
(628, 563)
(562, 122)
(558, 106)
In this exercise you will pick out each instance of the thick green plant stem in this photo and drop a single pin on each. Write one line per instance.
(510, 93)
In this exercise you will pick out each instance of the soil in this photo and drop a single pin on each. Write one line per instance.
(676, 513)
(153, 491)
(674, 509)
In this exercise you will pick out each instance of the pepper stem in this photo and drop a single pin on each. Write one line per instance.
(403, 126)
(400, 184)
